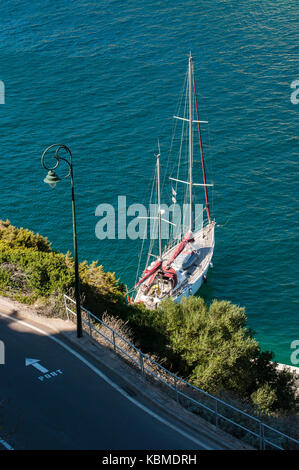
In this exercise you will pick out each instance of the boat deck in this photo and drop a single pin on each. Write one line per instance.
(204, 243)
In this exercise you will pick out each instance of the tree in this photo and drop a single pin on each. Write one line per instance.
(219, 352)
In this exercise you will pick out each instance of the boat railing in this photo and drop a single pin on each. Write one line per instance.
(222, 414)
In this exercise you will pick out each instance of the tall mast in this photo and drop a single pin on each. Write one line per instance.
(159, 203)
(190, 146)
(201, 154)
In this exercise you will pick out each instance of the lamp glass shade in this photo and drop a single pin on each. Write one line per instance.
(51, 179)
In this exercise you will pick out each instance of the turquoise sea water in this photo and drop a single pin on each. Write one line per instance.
(104, 78)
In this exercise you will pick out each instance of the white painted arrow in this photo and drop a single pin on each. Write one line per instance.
(35, 363)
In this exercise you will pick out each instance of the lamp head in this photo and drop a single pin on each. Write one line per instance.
(51, 179)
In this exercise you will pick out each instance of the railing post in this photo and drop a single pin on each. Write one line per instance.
(141, 364)
(216, 413)
(65, 306)
(262, 437)
(90, 333)
(176, 389)
(113, 336)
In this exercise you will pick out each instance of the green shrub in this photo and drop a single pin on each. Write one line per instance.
(5, 282)
(19, 237)
(264, 397)
(27, 257)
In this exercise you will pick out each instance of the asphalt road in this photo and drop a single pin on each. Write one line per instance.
(64, 401)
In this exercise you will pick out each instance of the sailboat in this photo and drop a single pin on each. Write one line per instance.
(181, 267)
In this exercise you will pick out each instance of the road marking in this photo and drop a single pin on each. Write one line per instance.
(35, 363)
(54, 373)
(5, 444)
(46, 373)
(112, 384)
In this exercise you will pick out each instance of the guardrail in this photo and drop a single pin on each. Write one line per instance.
(222, 414)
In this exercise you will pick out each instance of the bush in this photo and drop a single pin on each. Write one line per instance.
(264, 397)
(27, 257)
(19, 237)
(5, 281)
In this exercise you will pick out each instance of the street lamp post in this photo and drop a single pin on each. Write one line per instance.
(52, 178)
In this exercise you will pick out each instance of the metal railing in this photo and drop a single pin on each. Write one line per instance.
(222, 414)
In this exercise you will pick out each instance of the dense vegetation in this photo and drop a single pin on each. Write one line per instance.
(30, 269)
(208, 345)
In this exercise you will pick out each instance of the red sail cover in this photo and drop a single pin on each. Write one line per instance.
(187, 238)
(148, 273)
(171, 274)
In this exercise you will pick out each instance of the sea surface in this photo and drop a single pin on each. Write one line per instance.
(104, 78)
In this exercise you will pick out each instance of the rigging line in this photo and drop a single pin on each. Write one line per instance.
(173, 131)
(186, 197)
(172, 142)
(143, 240)
(155, 225)
(184, 142)
(201, 151)
(184, 126)
(183, 133)
(152, 229)
(200, 214)
(181, 144)
(211, 160)
(227, 219)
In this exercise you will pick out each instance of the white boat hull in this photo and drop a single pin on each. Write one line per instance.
(192, 289)
(190, 280)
